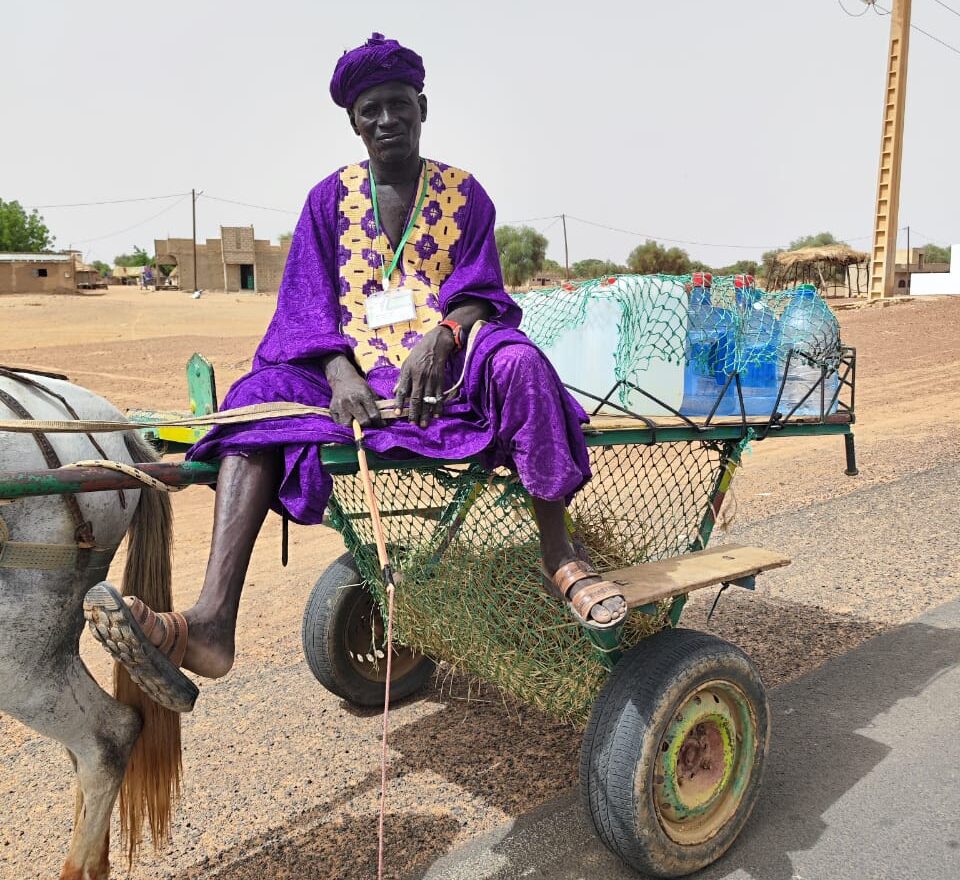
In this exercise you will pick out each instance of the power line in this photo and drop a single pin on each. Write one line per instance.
(948, 8)
(556, 219)
(864, 11)
(135, 225)
(550, 226)
(529, 220)
(248, 205)
(107, 202)
(757, 247)
(929, 238)
(920, 30)
(946, 45)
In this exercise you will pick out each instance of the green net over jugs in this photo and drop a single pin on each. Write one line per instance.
(693, 344)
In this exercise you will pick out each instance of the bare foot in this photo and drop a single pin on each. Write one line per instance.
(210, 646)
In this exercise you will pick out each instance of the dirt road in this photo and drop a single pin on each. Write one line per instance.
(281, 777)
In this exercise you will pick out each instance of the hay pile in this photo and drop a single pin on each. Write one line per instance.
(471, 590)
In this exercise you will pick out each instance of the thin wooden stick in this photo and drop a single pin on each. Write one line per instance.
(387, 574)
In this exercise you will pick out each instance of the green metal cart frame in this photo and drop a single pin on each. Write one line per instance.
(678, 725)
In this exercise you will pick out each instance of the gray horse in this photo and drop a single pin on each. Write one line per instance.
(128, 745)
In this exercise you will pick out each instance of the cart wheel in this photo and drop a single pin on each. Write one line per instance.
(672, 759)
(341, 624)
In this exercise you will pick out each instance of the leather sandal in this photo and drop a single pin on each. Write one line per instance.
(568, 576)
(149, 645)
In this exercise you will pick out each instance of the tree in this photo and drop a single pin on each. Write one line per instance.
(821, 239)
(934, 253)
(285, 236)
(21, 232)
(522, 252)
(741, 267)
(594, 268)
(651, 258)
(139, 257)
(552, 266)
(101, 267)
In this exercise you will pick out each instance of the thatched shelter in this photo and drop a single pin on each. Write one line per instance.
(816, 265)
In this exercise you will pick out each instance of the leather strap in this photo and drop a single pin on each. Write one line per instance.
(571, 574)
(17, 376)
(173, 625)
(180, 637)
(34, 371)
(83, 529)
(50, 557)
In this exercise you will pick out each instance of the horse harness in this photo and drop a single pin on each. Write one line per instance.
(83, 553)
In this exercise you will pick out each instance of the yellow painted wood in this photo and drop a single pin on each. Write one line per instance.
(887, 214)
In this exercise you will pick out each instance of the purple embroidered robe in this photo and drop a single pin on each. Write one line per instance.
(511, 409)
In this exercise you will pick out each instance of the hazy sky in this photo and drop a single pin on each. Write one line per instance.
(743, 122)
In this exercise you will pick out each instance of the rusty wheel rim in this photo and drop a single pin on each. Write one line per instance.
(365, 638)
(704, 763)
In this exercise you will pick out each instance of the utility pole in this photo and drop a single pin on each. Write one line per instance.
(193, 194)
(884, 256)
(566, 250)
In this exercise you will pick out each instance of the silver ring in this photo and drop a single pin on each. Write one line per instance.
(429, 399)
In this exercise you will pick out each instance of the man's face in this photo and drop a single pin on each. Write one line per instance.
(388, 119)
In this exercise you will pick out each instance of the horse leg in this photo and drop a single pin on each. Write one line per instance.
(102, 743)
(67, 705)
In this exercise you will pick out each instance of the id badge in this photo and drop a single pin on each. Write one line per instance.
(390, 307)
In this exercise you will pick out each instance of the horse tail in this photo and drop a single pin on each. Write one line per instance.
(151, 785)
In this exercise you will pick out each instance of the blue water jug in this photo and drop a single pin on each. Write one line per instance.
(707, 327)
(808, 351)
(757, 360)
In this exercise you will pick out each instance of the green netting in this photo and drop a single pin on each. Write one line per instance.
(728, 327)
(466, 548)
(651, 318)
(756, 327)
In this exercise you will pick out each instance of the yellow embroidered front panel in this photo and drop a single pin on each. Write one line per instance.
(425, 265)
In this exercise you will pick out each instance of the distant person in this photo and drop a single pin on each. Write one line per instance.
(392, 264)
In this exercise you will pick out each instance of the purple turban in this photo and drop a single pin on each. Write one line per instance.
(377, 61)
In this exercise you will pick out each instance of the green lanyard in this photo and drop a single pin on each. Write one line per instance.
(387, 272)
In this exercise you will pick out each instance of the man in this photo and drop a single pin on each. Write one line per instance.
(392, 264)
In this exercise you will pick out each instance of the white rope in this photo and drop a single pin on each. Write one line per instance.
(130, 471)
(240, 415)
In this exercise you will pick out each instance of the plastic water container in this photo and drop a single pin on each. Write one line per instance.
(710, 330)
(759, 378)
(810, 331)
(585, 355)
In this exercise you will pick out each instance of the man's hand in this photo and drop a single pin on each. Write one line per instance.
(352, 398)
(422, 375)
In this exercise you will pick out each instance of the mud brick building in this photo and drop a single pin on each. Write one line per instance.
(235, 261)
(39, 273)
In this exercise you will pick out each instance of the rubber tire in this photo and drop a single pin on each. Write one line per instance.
(328, 609)
(627, 724)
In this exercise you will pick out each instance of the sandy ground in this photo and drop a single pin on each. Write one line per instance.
(282, 777)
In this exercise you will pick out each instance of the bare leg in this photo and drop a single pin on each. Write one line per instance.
(245, 488)
(557, 550)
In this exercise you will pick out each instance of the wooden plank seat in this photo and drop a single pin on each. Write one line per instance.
(723, 564)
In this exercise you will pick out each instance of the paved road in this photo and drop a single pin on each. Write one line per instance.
(863, 781)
